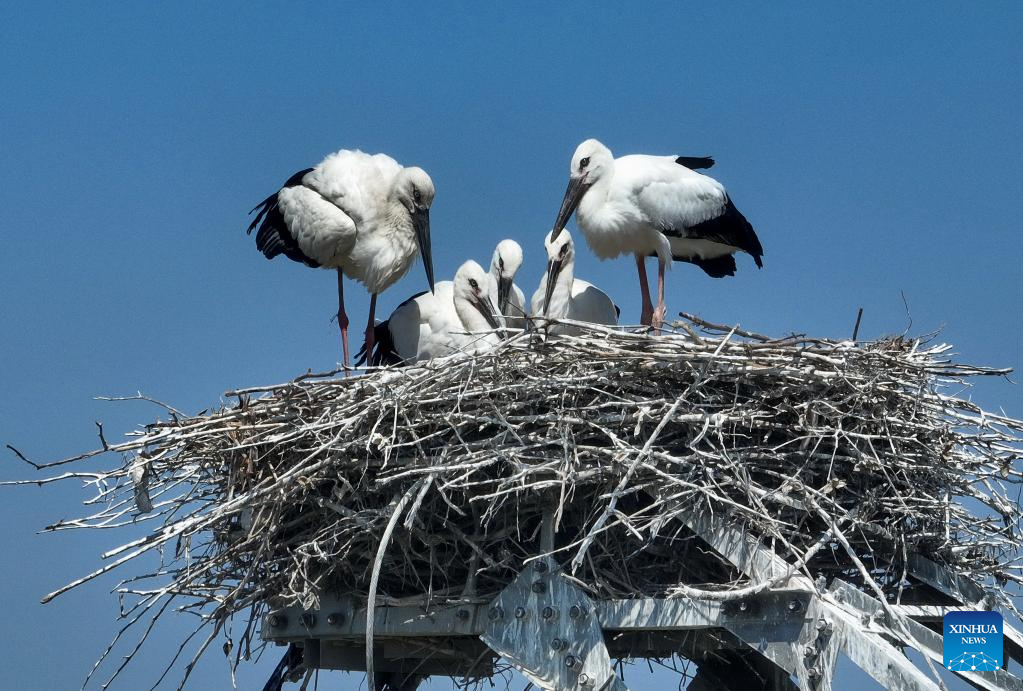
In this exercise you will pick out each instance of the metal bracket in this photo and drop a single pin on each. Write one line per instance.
(548, 628)
(803, 645)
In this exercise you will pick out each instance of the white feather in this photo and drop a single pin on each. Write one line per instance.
(571, 298)
(322, 230)
(630, 200)
(508, 254)
(443, 323)
(349, 213)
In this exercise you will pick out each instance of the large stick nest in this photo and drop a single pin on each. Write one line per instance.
(843, 457)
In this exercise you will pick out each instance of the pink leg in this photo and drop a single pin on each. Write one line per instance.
(342, 317)
(646, 316)
(370, 327)
(661, 309)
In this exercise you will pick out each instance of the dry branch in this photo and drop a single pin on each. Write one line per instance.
(845, 457)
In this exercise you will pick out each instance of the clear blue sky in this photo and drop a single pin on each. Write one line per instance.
(875, 149)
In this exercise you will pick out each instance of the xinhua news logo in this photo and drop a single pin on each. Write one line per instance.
(972, 641)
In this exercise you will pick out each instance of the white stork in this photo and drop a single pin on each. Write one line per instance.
(655, 206)
(561, 295)
(363, 215)
(458, 316)
(510, 301)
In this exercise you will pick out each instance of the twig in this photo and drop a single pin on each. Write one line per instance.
(296, 488)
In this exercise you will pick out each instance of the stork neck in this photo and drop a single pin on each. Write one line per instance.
(471, 319)
(562, 294)
(493, 278)
(596, 196)
(398, 219)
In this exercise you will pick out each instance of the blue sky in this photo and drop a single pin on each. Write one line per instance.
(876, 150)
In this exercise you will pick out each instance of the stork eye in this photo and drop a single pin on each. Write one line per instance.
(416, 195)
(583, 163)
(500, 263)
(564, 250)
(474, 284)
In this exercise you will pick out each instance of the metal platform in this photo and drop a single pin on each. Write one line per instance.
(786, 636)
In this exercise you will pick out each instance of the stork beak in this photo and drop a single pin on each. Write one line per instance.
(574, 193)
(504, 286)
(421, 223)
(486, 308)
(553, 269)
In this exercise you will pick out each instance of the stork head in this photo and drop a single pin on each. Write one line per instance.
(560, 254)
(471, 289)
(591, 161)
(503, 267)
(414, 190)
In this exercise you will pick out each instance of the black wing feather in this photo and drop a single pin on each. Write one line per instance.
(384, 352)
(728, 228)
(272, 234)
(718, 267)
(695, 162)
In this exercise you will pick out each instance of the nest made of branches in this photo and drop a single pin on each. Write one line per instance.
(844, 457)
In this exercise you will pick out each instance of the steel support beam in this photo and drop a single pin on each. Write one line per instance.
(547, 626)
(338, 619)
(963, 591)
(874, 621)
(871, 652)
(943, 580)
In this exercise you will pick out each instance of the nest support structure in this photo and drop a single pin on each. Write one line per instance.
(756, 505)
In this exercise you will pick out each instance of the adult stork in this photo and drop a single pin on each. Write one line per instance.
(363, 215)
(655, 206)
(506, 262)
(561, 295)
(458, 316)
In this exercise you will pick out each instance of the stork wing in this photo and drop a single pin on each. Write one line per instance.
(686, 205)
(273, 236)
(670, 196)
(591, 304)
(355, 182)
(321, 230)
(421, 328)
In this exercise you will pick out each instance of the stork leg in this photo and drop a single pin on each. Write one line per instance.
(661, 310)
(342, 317)
(371, 327)
(646, 317)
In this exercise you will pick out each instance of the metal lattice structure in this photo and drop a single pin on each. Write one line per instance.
(785, 637)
